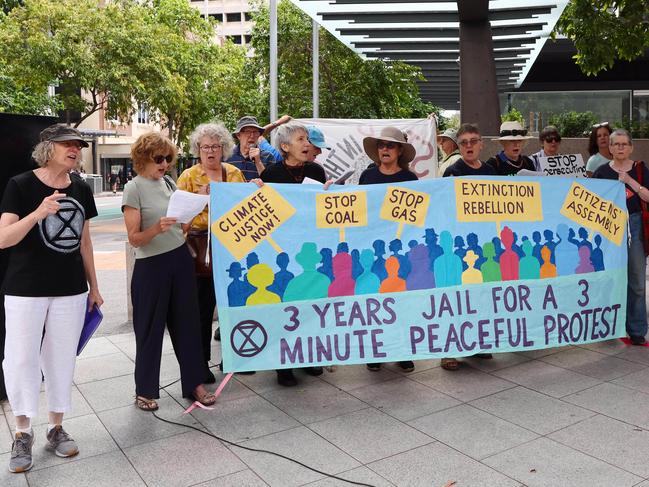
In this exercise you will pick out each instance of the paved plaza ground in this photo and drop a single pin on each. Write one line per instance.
(573, 416)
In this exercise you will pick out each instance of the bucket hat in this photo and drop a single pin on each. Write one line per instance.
(449, 134)
(247, 121)
(389, 134)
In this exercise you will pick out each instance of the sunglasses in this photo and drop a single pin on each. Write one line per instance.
(386, 145)
(602, 124)
(468, 142)
(161, 159)
(552, 139)
(515, 132)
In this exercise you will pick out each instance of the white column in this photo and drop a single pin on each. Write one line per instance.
(316, 70)
(273, 60)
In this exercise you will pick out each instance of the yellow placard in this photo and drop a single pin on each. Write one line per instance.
(251, 221)
(481, 200)
(335, 210)
(592, 211)
(405, 206)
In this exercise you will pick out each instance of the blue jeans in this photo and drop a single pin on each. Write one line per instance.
(636, 305)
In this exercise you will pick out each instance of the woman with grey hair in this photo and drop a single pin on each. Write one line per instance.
(212, 144)
(49, 284)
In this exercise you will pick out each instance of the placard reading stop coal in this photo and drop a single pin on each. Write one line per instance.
(565, 165)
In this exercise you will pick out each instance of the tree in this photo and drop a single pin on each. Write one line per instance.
(349, 86)
(605, 30)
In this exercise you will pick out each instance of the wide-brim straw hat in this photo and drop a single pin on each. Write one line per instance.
(513, 131)
(389, 134)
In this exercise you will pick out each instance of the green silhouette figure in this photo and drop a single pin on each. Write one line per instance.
(529, 266)
(311, 284)
(261, 276)
(490, 268)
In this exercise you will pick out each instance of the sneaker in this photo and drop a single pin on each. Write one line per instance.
(407, 366)
(63, 444)
(374, 367)
(286, 378)
(21, 453)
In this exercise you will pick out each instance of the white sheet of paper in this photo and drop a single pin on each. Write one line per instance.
(527, 172)
(184, 205)
(308, 180)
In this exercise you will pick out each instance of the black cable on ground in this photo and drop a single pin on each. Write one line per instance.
(255, 449)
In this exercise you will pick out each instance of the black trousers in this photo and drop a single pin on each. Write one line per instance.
(163, 290)
(206, 305)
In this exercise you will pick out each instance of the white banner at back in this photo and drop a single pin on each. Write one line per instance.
(566, 165)
(345, 137)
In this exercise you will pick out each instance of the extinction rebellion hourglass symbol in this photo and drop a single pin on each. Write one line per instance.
(248, 338)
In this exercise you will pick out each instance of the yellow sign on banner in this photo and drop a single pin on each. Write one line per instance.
(405, 206)
(340, 210)
(592, 211)
(481, 200)
(251, 221)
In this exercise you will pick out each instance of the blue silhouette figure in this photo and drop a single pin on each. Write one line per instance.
(498, 248)
(536, 250)
(583, 235)
(517, 248)
(529, 266)
(571, 238)
(367, 282)
(237, 289)
(342, 247)
(460, 251)
(378, 267)
(472, 244)
(597, 256)
(404, 265)
(448, 266)
(412, 244)
(420, 277)
(357, 268)
(282, 277)
(565, 252)
(434, 250)
(550, 243)
(326, 267)
(251, 259)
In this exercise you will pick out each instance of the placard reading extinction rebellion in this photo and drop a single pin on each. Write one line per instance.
(426, 269)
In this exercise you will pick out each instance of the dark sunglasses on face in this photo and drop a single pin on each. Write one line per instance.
(515, 132)
(386, 145)
(161, 159)
(552, 138)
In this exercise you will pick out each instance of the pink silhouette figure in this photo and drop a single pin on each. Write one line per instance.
(509, 258)
(585, 265)
(343, 283)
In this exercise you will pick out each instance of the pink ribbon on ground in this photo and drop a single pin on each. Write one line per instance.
(627, 341)
(217, 393)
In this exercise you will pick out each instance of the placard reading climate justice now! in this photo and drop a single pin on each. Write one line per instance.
(426, 269)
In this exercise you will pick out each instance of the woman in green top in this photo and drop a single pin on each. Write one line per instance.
(163, 288)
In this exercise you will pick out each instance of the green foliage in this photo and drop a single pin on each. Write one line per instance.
(605, 30)
(638, 130)
(513, 115)
(573, 124)
(349, 86)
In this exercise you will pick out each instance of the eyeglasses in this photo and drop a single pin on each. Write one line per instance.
(601, 124)
(210, 148)
(161, 159)
(250, 132)
(621, 145)
(551, 139)
(386, 145)
(468, 142)
(514, 132)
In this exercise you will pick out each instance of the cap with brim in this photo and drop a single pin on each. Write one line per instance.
(316, 137)
(389, 134)
(449, 134)
(62, 133)
(244, 122)
(513, 131)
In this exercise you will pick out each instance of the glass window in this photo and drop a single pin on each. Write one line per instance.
(247, 16)
(233, 17)
(217, 17)
(235, 39)
(248, 38)
(641, 106)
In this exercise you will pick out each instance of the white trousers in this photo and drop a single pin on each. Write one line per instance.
(62, 319)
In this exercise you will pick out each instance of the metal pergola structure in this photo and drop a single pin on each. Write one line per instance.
(453, 42)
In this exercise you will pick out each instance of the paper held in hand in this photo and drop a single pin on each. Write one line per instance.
(184, 205)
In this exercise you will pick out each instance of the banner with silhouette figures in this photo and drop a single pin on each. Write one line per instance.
(426, 269)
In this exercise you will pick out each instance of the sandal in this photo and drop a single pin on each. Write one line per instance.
(450, 364)
(206, 398)
(146, 404)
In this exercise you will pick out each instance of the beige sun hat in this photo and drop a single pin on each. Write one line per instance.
(513, 131)
(390, 134)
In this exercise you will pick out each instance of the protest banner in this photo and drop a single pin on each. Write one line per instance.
(565, 165)
(345, 137)
(451, 285)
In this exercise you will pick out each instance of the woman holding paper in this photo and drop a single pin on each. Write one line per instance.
(212, 144)
(49, 284)
(163, 288)
(635, 176)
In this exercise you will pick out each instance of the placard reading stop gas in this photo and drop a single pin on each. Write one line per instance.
(336, 210)
(405, 206)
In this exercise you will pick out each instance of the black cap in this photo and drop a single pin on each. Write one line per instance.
(60, 133)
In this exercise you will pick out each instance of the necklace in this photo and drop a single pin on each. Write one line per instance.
(296, 172)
